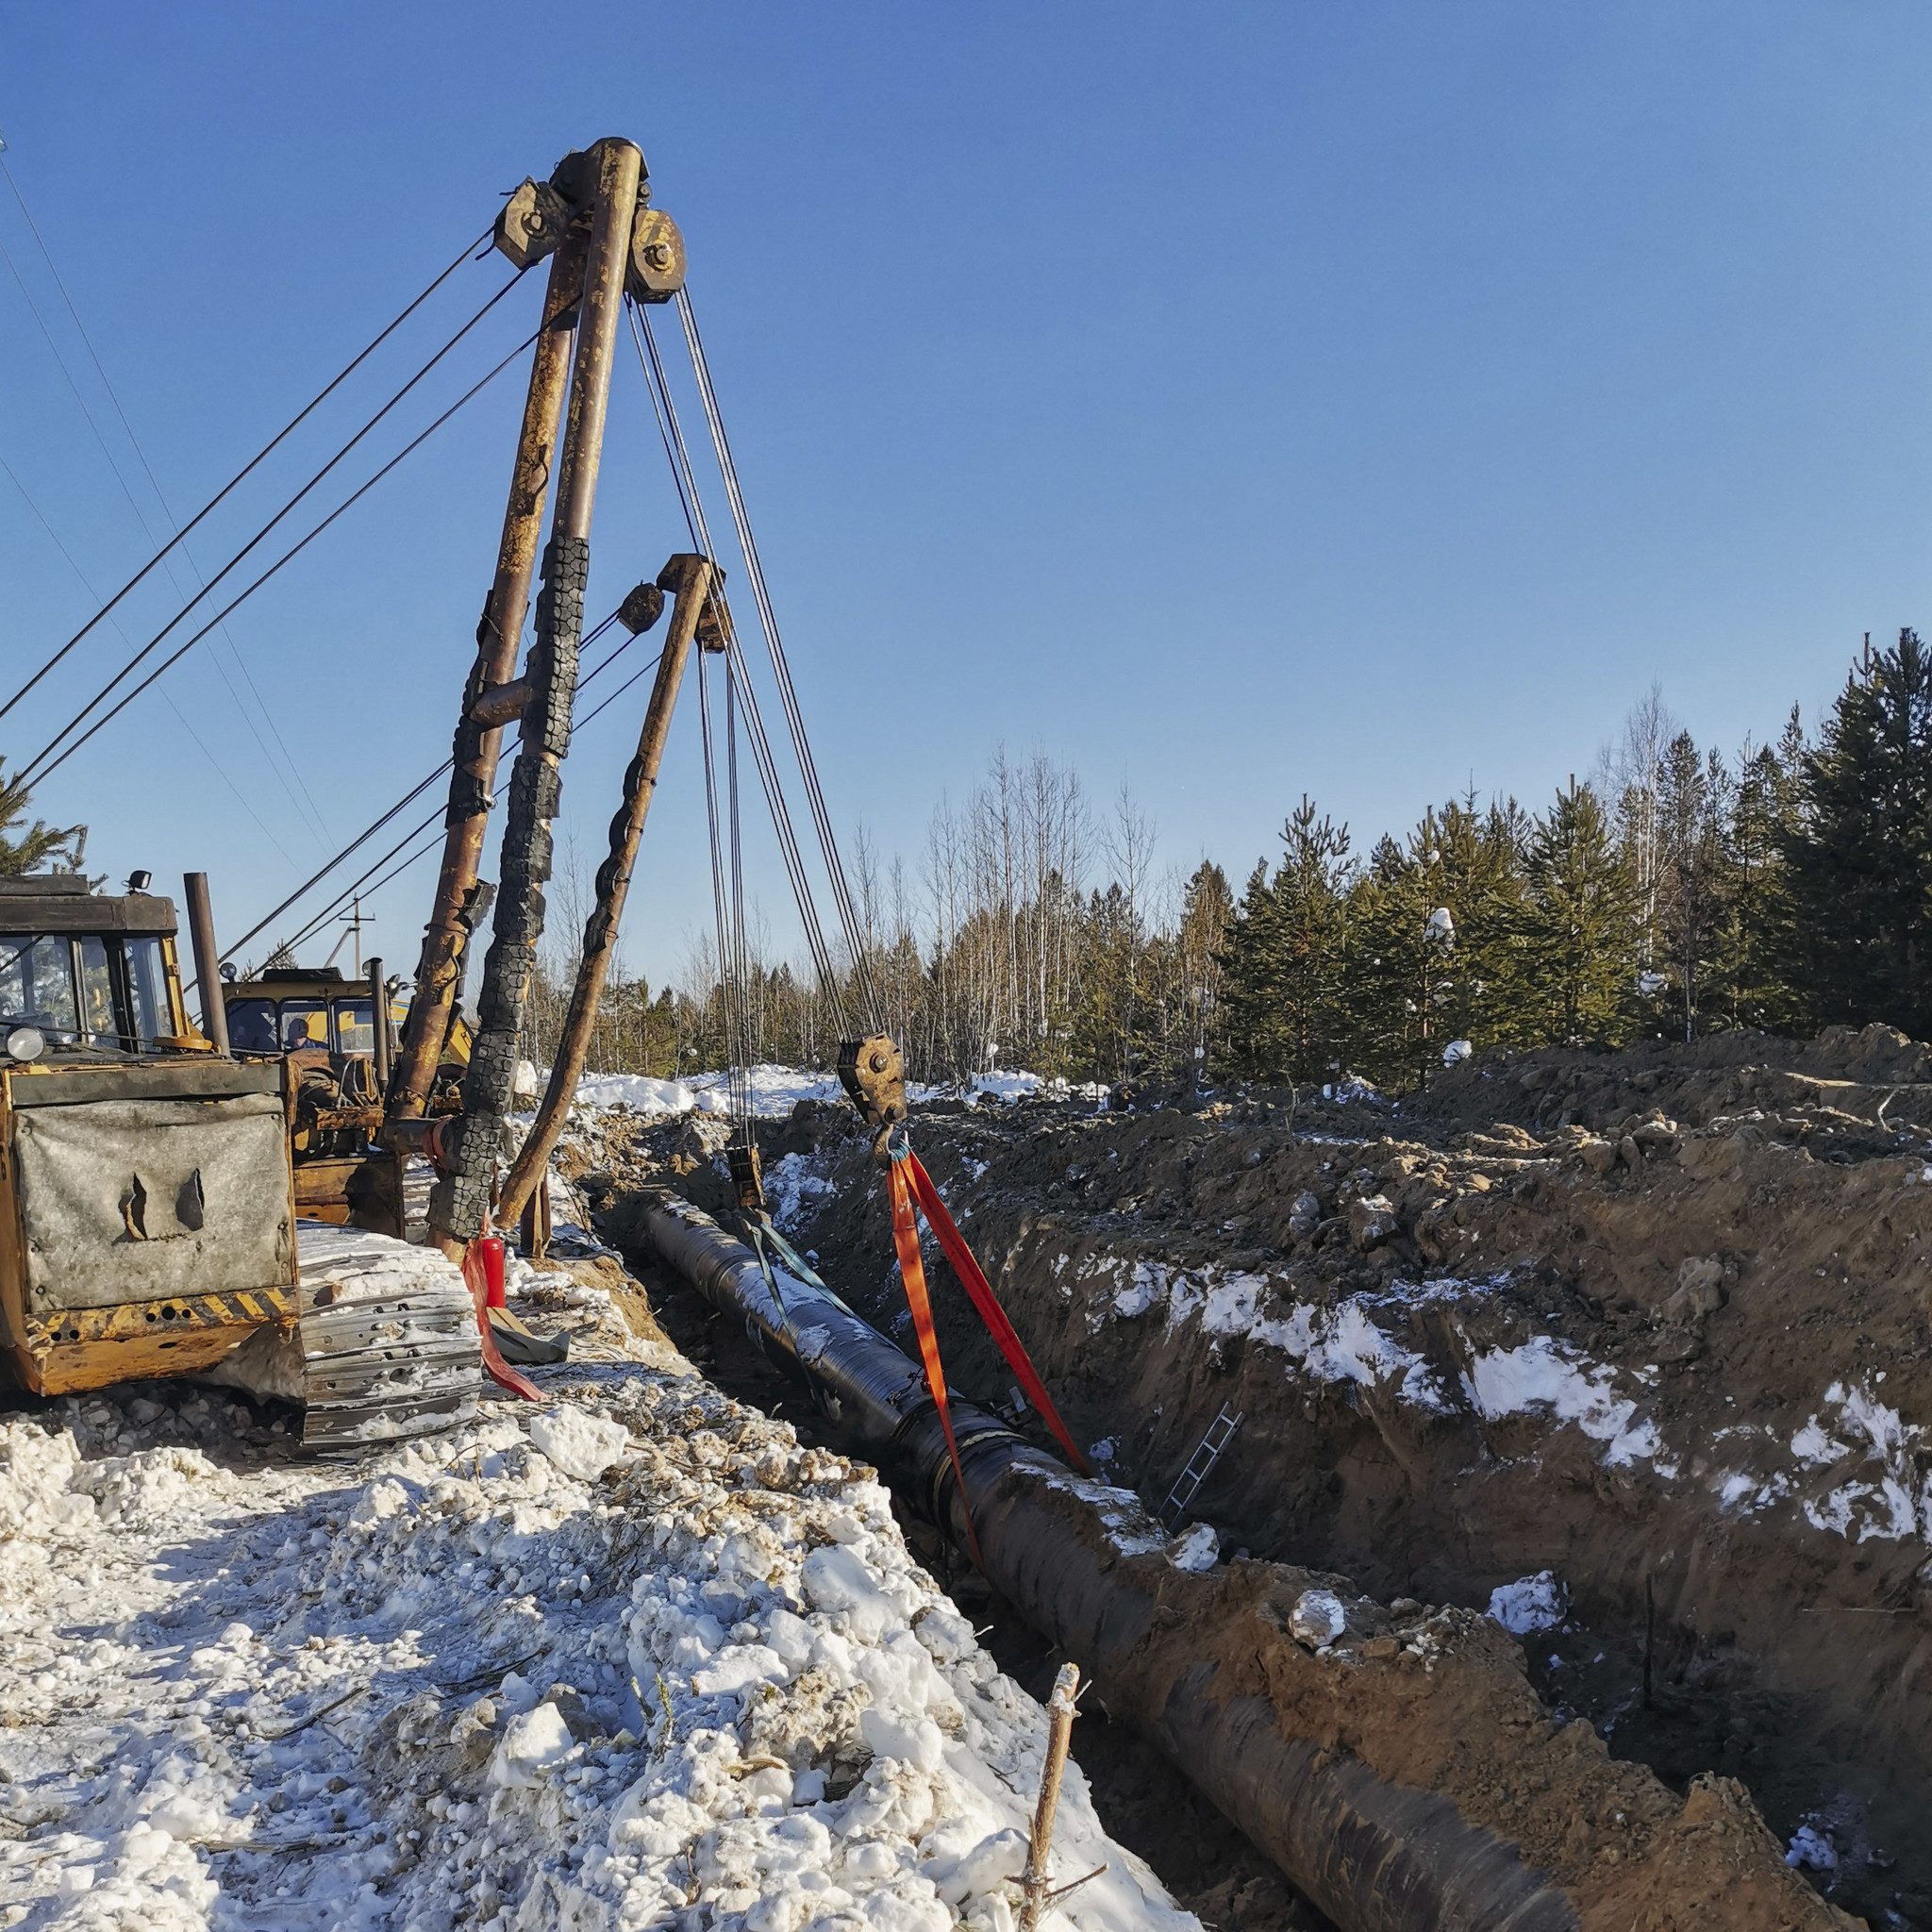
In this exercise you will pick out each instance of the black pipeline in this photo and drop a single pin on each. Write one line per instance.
(1083, 1564)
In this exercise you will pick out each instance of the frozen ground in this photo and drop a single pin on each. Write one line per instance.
(632, 1659)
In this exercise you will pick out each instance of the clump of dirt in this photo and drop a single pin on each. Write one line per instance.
(1659, 1322)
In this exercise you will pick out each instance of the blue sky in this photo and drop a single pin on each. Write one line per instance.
(1362, 400)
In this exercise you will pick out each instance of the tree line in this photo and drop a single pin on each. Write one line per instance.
(1672, 891)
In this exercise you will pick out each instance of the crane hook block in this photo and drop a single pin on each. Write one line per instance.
(533, 222)
(640, 610)
(874, 1072)
(657, 258)
(747, 1178)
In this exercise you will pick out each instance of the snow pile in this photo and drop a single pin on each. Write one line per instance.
(1199, 1549)
(1318, 1618)
(356, 1265)
(1895, 1500)
(776, 1090)
(649, 1663)
(791, 1184)
(1811, 1847)
(582, 1446)
(1530, 1604)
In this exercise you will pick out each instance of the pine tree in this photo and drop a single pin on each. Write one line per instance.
(1754, 947)
(1580, 924)
(1397, 960)
(1861, 939)
(38, 845)
(1694, 880)
(1207, 914)
(1287, 966)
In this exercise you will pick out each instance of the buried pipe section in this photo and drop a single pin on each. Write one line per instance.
(1372, 1856)
(1394, 1763)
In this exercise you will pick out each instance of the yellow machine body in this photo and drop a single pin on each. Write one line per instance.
(148, 1202)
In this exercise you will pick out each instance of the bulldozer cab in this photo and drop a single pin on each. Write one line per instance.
(91, 974)
(295, 1010)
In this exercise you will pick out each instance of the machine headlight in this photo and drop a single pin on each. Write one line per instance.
(25, 1043)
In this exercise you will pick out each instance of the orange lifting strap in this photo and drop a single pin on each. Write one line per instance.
(909, 1178)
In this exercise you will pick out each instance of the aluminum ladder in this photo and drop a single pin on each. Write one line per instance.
(1200, 1465)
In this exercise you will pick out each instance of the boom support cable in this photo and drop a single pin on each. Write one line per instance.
(154, 642)
(227, 489)
(815, 798)
(685, 478)
(362, 884)
(43, 771)
(408, 797)
(287, 766)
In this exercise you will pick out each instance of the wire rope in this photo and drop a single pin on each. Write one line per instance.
(829, 844)
(254, 463)
(408, 797)
(43, 770)
(288, 766)
(349, 892)
(147, 529)
(684, 477)
(154, 642)
(220, 771)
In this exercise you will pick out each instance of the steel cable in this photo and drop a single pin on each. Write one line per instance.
(154, 642)
(227, 489)
(679, 456)
(788, 695)
(286, 765)
(43, 770)
(349, 892)
(370, 830)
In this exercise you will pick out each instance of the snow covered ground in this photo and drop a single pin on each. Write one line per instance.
(776, 1090)
(633, 1659)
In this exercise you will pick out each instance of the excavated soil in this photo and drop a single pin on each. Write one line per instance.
(1659, 1322)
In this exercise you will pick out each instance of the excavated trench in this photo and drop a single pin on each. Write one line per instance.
(1656, 1322)
(1142, 1800)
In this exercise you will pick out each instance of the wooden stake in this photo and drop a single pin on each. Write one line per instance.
(1059, 1732)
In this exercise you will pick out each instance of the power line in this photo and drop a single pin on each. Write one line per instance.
(120, 477)
(43, 770)
(288, 765)
(54, 538)
(280, 437)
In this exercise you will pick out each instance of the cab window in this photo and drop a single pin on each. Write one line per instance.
(37, 983)
(304, 1024)
(147, 989)
(355, 1027)
(252, 1026)
(97, 991)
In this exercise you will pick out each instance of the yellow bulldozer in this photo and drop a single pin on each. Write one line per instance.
(147, 1209)
(151, 1219)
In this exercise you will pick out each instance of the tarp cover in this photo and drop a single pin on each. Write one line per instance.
(138, 1200)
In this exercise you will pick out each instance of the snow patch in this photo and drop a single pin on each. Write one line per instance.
(1544, 1374)
(1530, 1604)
